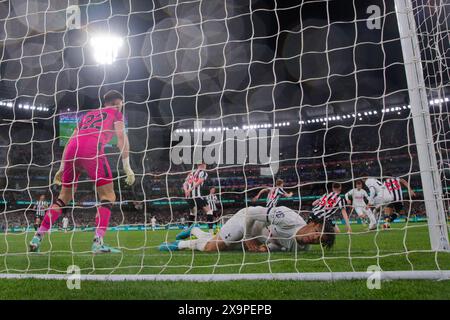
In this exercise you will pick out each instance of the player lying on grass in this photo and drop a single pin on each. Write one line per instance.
(85, 152)
(287, 231)
(387, 194)
(358, 201)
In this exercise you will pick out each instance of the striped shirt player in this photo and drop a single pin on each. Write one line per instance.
(273, 197)
(274, 194)
(212, 201)
(394, 187)
(40, 207)
(329, 205)
(192, 191)
(388, 193)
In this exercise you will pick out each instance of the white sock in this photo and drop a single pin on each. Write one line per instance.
(199, 233)
(198, 244)
(371, 217)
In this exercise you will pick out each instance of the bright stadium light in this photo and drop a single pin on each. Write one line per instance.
(106, 48)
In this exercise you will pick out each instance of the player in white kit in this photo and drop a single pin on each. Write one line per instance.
(358, 201)
(153, 222)
(388, 194)
(65, 223)
(287, 231)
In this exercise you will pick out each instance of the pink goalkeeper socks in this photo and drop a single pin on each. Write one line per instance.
(50, 217)
(102, 221)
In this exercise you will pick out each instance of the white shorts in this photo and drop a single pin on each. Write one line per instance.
(361, 211)
(233, 230)
(382, 199)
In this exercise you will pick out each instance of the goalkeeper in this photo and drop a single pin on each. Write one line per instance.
(85, 152)
(259, 229)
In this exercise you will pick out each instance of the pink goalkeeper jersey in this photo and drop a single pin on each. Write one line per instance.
(98, 125)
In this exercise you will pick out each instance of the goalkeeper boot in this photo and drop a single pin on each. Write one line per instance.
(35, 244)
(99, 247)
(186, 233)
(169, 246)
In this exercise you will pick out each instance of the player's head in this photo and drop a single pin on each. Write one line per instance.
(113, 98)
(279, 183)
(212, 190)
(337, 187)
(364, 177)
(201, 166)
(316, 232)
(359, 184)
(42, 197)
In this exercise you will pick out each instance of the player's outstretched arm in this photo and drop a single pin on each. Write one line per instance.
(288, 194)
(350, 193)
(347, 221)
(406, 185)
(260, 193)
(124, 147)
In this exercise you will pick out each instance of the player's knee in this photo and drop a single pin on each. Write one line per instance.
(107, 203)
(59, 203)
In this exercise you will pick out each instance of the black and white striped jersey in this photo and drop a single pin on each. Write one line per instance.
(273, 196)
(328, 205)
(394, 187)
(192, 179)
(212, 201)
(41, 206)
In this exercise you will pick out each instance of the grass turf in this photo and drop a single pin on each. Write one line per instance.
(400, 248)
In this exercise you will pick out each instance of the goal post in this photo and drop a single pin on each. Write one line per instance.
(420, 111)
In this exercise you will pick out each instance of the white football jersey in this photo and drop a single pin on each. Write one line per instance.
(65, 222)
(285, 224)
(358, 197)
(376, 188)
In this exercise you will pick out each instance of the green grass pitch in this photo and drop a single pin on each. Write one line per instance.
(400, 248)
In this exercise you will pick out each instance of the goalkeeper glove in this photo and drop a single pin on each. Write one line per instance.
(57, 179)
(130, 174)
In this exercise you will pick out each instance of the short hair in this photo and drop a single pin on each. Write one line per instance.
(328, 237)
(112, 95)
(364, 175)
(279, 182)
(336, 185)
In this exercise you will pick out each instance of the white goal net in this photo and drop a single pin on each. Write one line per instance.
(289, 105)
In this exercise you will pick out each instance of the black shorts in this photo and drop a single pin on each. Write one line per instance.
(396, 206)
(198, 202)
(209, 218)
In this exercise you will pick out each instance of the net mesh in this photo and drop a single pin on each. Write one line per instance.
(311, 92)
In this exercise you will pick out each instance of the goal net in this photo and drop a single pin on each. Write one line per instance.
(280, 100)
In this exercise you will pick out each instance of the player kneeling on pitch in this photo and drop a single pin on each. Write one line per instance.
(85, 152)
(258, 229)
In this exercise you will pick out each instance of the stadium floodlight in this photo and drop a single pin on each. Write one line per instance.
(106, 48)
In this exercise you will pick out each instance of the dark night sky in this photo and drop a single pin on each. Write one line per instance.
(241, 63)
